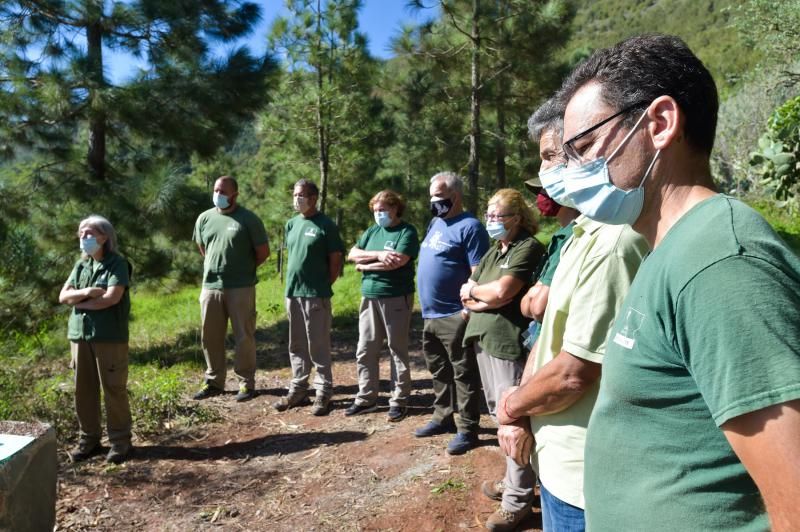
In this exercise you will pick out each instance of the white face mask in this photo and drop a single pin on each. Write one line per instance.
(300, 204)
(89, 245)
(221, 201)
(496, 229)
(590, 188)
(382, 218)
(553, 183)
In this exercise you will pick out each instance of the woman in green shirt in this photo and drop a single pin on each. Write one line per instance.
(97, 291)
(385, 255)
(492, 296)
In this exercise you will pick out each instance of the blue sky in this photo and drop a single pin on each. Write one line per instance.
(379, 19)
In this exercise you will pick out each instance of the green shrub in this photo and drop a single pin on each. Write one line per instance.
(778, 155)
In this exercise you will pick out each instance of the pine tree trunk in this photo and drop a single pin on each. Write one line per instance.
(475, 112)
(321, 140)
(500, 146)
(96, 156)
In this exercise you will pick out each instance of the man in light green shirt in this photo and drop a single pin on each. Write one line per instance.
(562, 376)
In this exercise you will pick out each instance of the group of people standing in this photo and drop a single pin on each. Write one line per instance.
(644, 368)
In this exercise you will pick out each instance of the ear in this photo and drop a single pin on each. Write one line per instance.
(666, 122)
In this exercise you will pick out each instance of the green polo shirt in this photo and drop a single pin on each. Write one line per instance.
(108, 324)
(309, 242)
(229, 240)
(499, 330)
(553, 255)
(710, 330)
(401, 238)
(595, 272)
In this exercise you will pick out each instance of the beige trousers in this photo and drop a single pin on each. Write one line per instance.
(386, 318)
(310, 343)
(217, 307)
(102, 365)
(497, 375)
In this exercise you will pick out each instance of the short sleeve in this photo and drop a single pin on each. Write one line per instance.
(476, 243)
(255, 228)
(72, 280)
(603, 283)
(363, 240)
(118, 274)
(197, 234)
(478, 270)
(738, 329)
(408, 243)
(333, 240)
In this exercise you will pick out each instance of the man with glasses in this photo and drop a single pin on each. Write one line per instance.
(562, 377)
(698, 419)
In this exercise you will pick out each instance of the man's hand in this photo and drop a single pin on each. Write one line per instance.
(503, 416)
(516, 441)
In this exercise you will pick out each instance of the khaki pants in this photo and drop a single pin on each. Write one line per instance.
(216, 307)
(456, 382)
(384, 318)
(102, 364)
(497, 375)
(310, 342)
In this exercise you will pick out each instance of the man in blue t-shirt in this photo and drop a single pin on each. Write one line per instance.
(453, 246)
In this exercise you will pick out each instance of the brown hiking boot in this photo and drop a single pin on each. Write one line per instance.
(293, 399)
(493, 490)
(503, 520)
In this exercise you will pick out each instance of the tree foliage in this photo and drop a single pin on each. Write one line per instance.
(778, 155)
(77, 142)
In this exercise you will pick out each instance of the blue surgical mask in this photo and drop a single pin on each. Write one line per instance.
(553, 183)
(221, 201)
(89, 245)
(383, 219)
(496, 229)
(590, 188)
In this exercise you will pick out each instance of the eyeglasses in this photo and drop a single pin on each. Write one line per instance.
(569, 146)
(493, 217)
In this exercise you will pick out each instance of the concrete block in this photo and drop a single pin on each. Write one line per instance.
(28, 471)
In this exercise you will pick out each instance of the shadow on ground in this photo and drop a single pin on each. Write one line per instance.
(269, 445)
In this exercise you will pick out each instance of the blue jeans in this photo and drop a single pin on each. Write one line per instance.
(558, 516)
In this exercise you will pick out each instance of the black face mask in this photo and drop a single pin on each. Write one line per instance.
(440, 208)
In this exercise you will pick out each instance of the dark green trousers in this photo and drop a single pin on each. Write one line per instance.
(456, 381)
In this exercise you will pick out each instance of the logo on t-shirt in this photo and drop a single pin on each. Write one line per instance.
(233, 226)
(390, 245)
(633, 322)
(436, 243)
(311, 231)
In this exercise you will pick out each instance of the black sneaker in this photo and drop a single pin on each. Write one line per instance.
(119, 453)
(356, 409)
(85, 450)
(396, 413)
(245, 394)
(208, 390)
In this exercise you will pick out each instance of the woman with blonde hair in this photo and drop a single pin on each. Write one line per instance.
(385, 255)
(97, 291)
(492, 296)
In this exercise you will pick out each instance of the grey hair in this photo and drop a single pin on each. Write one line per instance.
(102, 226)
(453, 181)
(548, 117)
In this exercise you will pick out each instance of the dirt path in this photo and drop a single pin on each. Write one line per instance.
(258, 469)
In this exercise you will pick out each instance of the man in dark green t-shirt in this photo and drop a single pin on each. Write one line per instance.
(697, 422)
(233, 243)
(315, 260)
